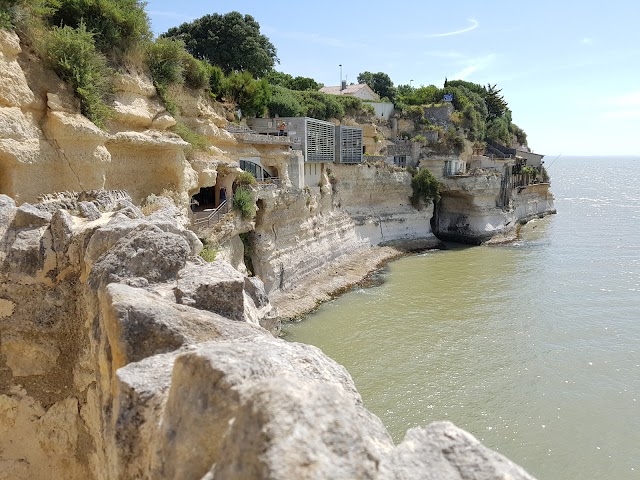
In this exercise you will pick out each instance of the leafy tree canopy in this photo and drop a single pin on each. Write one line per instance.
(293, 83)
(291, 103)
(496, 104)
(380, 83)
(484, 113)
(231, 41)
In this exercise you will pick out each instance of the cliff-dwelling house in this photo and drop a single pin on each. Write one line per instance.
(318, 142)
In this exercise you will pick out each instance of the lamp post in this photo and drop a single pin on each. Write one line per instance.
(340, 75)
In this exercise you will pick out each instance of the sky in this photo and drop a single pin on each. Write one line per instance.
(569, 70)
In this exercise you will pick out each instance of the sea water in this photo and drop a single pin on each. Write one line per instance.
(533, 347)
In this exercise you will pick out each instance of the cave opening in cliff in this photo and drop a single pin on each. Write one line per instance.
(204, 199)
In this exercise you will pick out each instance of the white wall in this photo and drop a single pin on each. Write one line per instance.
(382, 109)
(312, 174)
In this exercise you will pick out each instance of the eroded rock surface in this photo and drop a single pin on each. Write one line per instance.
(122, 355)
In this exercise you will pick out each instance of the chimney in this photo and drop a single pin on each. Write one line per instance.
(344, 85)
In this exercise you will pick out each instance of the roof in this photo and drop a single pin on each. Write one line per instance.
(349, 90)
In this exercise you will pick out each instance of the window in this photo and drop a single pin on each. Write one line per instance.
(400, 160)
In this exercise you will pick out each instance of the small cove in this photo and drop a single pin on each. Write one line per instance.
(533, 346)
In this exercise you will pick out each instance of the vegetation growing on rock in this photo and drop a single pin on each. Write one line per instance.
(425, 188)
(72, 54)
(243, 201)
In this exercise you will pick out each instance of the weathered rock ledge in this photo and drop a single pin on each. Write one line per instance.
(468, 211)
(124, 355)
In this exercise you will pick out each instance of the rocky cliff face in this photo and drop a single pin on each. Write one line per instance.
(468, 210)
(123, 355)
(353, 208)
(47, 146)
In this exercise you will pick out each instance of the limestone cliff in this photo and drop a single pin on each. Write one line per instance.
(123, 355)
(47, 146)
(353, 208)
(468, 211)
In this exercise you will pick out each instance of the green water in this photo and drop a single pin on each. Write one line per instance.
(533, 347)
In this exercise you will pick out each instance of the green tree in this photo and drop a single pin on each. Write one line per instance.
(380, 83)
(421, 96)
(293, 83)
(231, 41)
(252, 96)
(425, 188)
(304, 84)
(366, 77)
(521, 136)
(496, 105)
(285, 103)
(280, 79)
(498, 130)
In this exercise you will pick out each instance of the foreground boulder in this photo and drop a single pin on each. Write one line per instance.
(124, 355)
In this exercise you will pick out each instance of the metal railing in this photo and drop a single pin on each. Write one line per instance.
(247, 135)
(271, 182)
(211, 218)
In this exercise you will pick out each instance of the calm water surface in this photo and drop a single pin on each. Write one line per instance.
(532, 347)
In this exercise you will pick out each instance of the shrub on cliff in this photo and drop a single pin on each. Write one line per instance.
(72, 54)
(425, 188)
(198, 141)
(251, 96)
(216, 80)
(117, 25)
(6, 20)
(165, 60)
(243, 201)
(285, 103)
(208, 252)
(196, 72)
(245, 178)
(7, 12)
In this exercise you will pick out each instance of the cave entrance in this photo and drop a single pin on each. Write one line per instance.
(205, 199)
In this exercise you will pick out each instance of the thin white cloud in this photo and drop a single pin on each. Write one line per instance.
(586, 41)
(621, 114)
(464, 73)
(474, 24)
(622, 107)
(625, 100)
(472, 65)
(312, 37)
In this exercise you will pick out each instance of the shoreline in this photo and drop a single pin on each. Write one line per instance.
(351, 270)
(339, 276)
